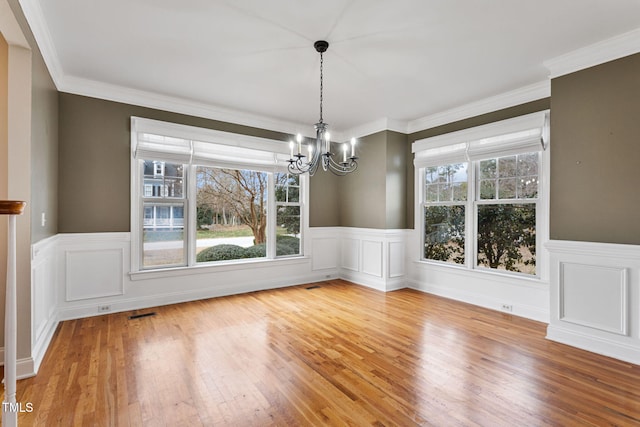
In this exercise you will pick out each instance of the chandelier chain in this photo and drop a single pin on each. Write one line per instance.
(321, 85)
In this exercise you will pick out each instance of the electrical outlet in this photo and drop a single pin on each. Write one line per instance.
(507, 307)
(104, 308)
(328, 276)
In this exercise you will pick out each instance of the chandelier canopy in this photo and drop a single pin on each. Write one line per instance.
(318, 152)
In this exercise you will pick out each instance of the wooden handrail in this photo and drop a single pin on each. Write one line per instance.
(11, 207)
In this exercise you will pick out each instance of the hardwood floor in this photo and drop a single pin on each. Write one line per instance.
(338, 354)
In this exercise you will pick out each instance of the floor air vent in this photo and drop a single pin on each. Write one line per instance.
(313, 287)
(138, 316)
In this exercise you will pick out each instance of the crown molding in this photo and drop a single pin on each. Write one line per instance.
(494, 103)
(35, 17)
(116, 93)
(380, 125)
(598, 53)
(10, 28)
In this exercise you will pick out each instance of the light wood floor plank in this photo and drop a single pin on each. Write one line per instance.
(339, 354)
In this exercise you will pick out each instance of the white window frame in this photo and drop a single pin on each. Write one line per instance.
(192, 147)
(512, 136)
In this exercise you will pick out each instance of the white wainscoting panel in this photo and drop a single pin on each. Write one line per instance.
(594, 296)
(96, 278)
(43, 299)
(350, 254)
(94, 273)
(372, 260)
(396, 259)
(373, 257)
(325, 253)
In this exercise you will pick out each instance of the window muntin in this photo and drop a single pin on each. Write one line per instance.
(509, 177)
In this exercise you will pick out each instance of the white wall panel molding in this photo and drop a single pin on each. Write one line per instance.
(92, 265)
(350, 250)
(44, 284)
(396, 259)
(43, 305)
(324, 253)
(164, 296)
(581, 287)
(595, 297)
(373, 257)
(94, 275)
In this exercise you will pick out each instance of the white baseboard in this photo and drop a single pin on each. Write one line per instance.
(373, 282)
(91, 309)
(594, 344)
(42, 345)
(518, 309)
(25, 368)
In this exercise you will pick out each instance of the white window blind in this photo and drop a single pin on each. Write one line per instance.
(512, 136)
(155, 140)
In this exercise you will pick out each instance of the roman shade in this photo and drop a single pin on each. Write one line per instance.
(512, 136)
(155, 140)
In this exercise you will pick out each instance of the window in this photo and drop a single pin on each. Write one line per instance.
(210, 197)
(481, 196)
(444, 212)
(163, 215)
(506, 210)
(288, 214)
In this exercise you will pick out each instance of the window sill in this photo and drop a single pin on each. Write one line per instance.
(216, 268)
(511, 278)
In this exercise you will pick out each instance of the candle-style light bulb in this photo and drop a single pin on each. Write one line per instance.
(299, 138)
(353, 147)
(310, 148)
(345, 147)
(327, 137)
(291, 148)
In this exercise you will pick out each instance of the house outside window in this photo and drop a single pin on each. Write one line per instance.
(211, 198)
(482, 204)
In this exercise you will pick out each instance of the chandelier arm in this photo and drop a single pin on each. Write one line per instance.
(342, 168)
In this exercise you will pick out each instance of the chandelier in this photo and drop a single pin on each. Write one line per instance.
(319, 151)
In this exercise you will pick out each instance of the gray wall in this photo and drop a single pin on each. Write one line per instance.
(594, 122)
(362, 193)
(374, 195)
(595, 149)
(507, 113)
(94, 160)
(44, 139)
(396, 171)
(44, 152)
(324, 204)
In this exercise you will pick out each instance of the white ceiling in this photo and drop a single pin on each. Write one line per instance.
(253, 61)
